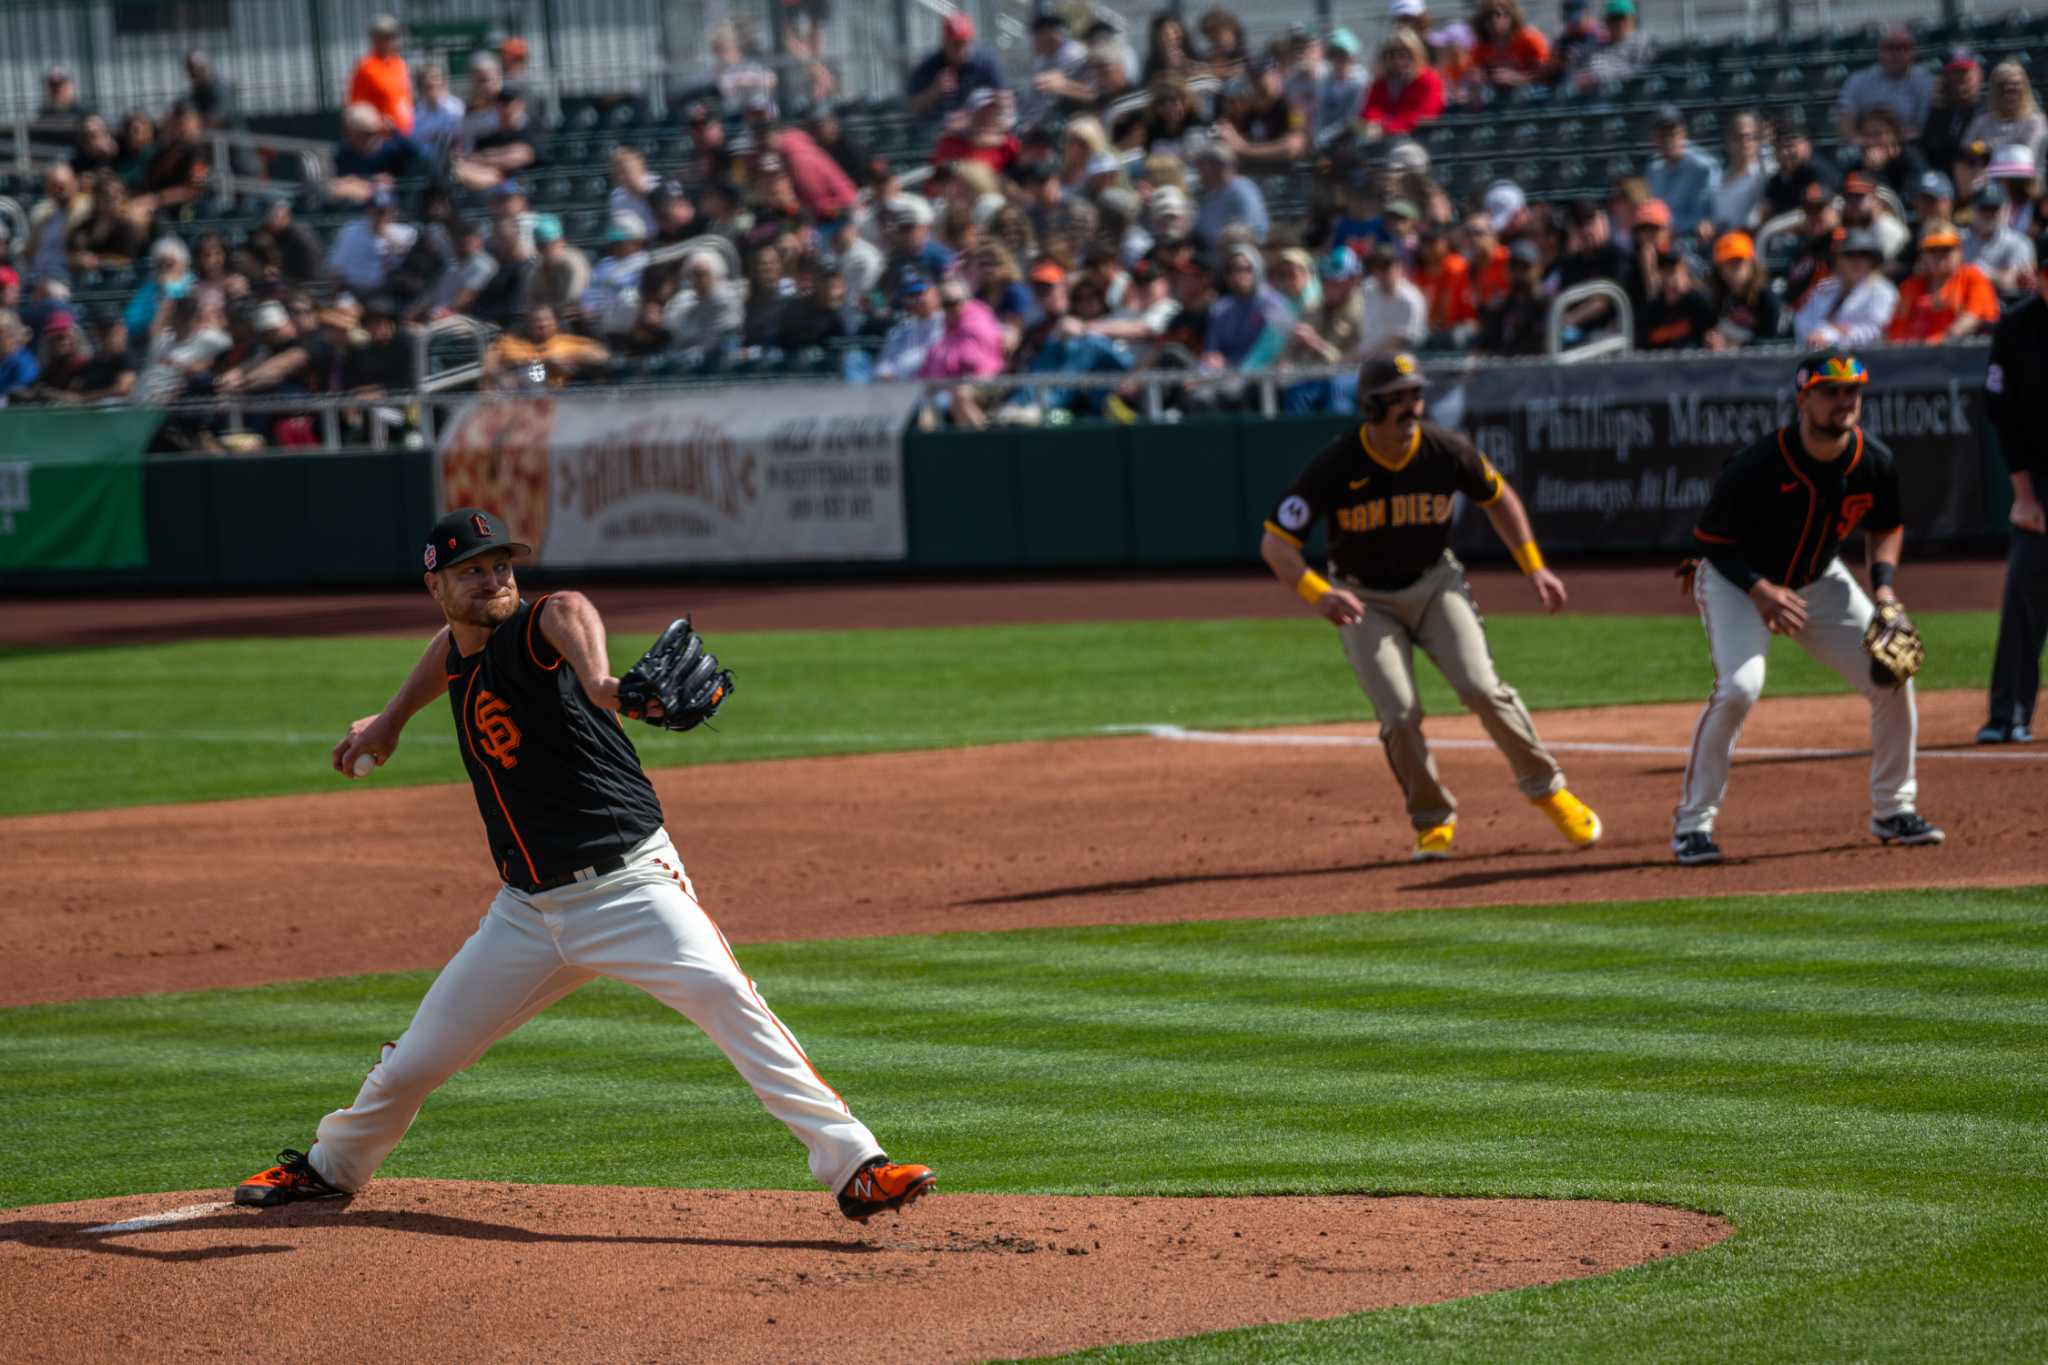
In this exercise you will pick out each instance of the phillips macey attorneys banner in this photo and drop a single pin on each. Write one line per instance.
(1622, 456)
(744, 475)
(71, 487)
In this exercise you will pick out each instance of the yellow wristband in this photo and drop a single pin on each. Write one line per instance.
(1311, 586)
(1527, 557)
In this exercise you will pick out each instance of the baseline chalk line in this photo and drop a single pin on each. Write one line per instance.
(155, 1220)
(1260, 739)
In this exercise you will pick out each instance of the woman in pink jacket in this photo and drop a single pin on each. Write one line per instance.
(970, 348)
(1405, 91)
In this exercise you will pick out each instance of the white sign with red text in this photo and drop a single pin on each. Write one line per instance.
(723, 476)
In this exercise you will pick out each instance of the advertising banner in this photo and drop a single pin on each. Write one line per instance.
(781, 473)
(1622, 455)
(71, 487)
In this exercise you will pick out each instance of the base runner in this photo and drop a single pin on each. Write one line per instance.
(1769, 536)
(1386, 488)
(593, 887)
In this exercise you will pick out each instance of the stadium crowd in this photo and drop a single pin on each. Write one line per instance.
(1103, 214)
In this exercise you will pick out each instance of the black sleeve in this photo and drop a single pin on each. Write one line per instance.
(2010, 390)
(1474, 474)
(1312, 494)
(1719, 532)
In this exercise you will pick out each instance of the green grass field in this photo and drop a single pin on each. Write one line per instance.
(1859, 1082)
(189, 722)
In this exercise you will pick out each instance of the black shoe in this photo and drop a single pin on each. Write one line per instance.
(1907, 827)
(289, 1181)
(1994, 733)
(1695, 848)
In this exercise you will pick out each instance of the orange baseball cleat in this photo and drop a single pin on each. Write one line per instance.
(288, 1182)
(882, 1185)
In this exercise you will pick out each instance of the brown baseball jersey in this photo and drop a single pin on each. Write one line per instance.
(1389, 515)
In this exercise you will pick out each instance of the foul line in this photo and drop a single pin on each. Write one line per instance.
(1262, 739)
(154, 1220)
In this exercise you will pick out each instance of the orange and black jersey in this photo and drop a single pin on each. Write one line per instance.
(1777, 513)
(556, 779)
(1389, 512)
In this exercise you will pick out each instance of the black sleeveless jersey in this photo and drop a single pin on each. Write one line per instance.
(1778, 513)
(1389, 515)
(556, 779)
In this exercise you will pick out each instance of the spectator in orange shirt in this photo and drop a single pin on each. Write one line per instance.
(382, 80)
(1510, 50)
(1486, 259)
(1945, 299)
(1445, 279)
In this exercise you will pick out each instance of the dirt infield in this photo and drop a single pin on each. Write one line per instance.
(1114, 830)
(1953, 585)
(434, 1270)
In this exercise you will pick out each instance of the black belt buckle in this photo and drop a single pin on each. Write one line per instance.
(582, 874)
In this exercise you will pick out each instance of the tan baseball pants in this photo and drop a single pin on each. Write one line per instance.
(1437, 612)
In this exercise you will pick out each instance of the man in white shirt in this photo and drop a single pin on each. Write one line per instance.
(624, 262)
(366, 248)
(903, 350)
(1897, 82)
(1059, 73)
(1396, 315)
(857, 260)
(2005, 256)
(1853, 306)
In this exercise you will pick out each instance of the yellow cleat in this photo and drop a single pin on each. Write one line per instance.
(1433, 845)
(1574, 819)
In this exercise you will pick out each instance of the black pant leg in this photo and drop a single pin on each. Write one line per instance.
(2022, 631)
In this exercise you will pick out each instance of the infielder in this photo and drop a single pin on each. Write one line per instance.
(593, 887)
(1777, 515)
(2016, 393)
(1386, 488)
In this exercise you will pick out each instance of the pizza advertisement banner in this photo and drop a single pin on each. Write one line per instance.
(786, 473)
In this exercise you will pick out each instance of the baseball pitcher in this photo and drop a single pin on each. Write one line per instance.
(1387, 491)
(1769, 536)
(592, 885)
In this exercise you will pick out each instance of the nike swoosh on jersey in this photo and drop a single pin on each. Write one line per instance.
(1787, 487)
(1357, 484)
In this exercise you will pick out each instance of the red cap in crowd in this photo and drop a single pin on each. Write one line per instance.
(958, 27)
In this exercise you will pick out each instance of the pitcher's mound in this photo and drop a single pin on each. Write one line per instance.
(428, 1269)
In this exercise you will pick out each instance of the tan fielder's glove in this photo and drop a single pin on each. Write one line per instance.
(1894, 647)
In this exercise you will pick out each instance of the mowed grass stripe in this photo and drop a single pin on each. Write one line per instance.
(816, 692)
(1883, 1165)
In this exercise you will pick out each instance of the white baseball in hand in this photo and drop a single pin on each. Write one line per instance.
(365, 764)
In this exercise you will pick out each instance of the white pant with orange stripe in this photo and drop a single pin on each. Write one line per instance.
(641, 925)
(1836, 613)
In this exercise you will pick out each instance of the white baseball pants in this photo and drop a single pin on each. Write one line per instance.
(641, 925)
(1837, 612)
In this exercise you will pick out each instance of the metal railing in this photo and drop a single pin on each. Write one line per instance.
(1620, 342)
(17, 221)
(315, 159)
(455, 324)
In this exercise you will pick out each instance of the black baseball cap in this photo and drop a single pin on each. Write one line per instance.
(1385, 373)
(466, 533)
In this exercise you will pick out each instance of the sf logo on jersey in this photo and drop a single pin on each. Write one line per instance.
(496, 734)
